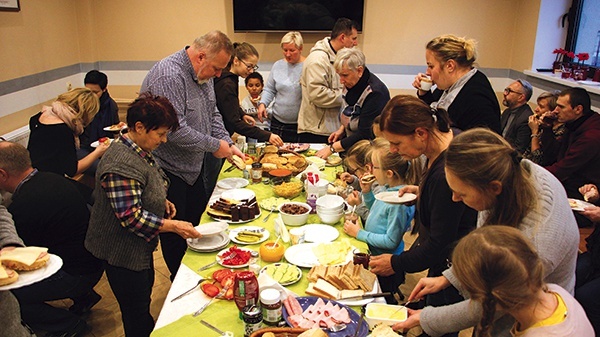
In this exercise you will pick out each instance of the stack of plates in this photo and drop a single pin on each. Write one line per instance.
(208, 244)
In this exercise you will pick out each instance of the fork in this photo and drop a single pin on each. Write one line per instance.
(220, 294)
(268, 215)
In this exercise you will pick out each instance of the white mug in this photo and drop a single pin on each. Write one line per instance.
(426, 83)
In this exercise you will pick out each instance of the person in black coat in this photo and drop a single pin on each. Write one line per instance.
(515, 119)
(461, 89)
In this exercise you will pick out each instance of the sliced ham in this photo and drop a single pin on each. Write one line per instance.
(295, 305)
(287, 306)
(342, 316)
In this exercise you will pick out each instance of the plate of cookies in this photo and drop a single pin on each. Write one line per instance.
(273, 158)
(23, 266)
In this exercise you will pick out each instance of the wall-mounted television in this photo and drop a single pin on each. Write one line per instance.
(300, 15)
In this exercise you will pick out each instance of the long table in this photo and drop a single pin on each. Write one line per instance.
(175, 318)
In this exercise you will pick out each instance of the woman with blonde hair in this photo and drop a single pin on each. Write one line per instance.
(461, 89)
(54, 137)
(501, 271)
(283, 89)
(488, 175)
(414, 129)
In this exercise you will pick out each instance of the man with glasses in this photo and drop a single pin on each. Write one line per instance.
(321, 88)
(514, 120)
(185, 78)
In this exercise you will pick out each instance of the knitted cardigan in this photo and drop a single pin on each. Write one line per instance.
(106, 238)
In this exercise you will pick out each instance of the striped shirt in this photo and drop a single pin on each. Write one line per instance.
(125, 196)
(201, 124)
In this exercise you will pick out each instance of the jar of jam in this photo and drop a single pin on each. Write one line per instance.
(256, 173)
(245, 289)
(252, 316)
(270, 302)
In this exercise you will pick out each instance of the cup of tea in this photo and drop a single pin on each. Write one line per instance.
(297, 235)
(361, 257)
(426, 83)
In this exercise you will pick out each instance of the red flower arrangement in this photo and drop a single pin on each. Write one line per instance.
(582, 57)
(561, 54)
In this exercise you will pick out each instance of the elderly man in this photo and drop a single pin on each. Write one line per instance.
(515, 118)
(364, 97)
(48, 211)
(185, 78)
(321, 87)
(578, 152)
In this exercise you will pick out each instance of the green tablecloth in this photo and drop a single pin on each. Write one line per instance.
(224, 314)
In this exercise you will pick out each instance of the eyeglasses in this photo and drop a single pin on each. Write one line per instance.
(249, 66)
(507, 91)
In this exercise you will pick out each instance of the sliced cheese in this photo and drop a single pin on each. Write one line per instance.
(25, 255)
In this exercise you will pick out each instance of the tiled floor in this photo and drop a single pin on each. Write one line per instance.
(105, 318)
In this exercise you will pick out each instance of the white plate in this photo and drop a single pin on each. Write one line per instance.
(591, 83)
(580, 204)
(233, 233)
(29, 277)
(238, 194)
(212, 228)
(209, 244)
(114, 128)
(302, 255)
(320, 233)
(391, 197)
(96, 143)
(231, 183)
(220, 260)
(282, 264)
(366, 300)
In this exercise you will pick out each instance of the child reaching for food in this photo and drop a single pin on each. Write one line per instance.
(254, 85)
(386, 222)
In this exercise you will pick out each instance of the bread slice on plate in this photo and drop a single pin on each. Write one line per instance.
(7, 276)
(25, 258)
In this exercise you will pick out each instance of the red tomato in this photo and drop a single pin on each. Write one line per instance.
(221, 274)
(229, 294)
(210, 289)
(102, 140)
(228, 281)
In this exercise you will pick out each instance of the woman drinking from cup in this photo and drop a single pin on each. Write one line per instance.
(462, 90)
(131, 209)
(414, 129)
(488, 175)
(283, 90)
(364, 98)
(546, 103)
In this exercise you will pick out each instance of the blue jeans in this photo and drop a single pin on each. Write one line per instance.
(40, 315)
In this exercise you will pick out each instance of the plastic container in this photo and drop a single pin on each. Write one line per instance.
(270, 302)
(379, 313)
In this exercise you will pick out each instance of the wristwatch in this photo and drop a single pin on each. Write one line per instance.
(331, 148)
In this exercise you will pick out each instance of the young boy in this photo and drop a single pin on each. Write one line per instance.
(254, 85)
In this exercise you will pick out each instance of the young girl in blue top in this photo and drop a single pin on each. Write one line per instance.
(386, 223)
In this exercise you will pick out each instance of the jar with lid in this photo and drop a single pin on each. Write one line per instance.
(253, 265)
(256, 173)
(245, 289)
(270, 302)
(252, 316)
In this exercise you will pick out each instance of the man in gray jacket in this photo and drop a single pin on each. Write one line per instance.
(321, 88)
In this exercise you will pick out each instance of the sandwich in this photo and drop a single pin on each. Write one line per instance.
(334, 160)
(25, 258)
(314, 332)
(7, 276)
(367, 178)
(238, 162)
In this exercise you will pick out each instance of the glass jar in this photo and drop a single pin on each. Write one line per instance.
(256, 173)
(270, 302)
(245, 289)
(252, 316)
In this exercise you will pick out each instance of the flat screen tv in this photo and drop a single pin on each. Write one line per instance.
(300, 15)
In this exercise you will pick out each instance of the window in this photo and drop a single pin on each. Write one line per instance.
(584, 30)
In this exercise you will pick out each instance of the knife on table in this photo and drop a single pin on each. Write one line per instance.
(366, 296)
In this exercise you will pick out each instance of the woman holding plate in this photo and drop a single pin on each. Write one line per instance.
(414, 129)
(131, 209)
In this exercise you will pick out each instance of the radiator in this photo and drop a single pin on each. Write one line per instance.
(20, 135)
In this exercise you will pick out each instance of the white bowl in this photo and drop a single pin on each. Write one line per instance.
(379, 313)
(294, 219)
(330, 219)
(330, 211)
(330, 201)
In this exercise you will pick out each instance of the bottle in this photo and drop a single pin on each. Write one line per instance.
(256, 173)
(270, 302)
(253, 265)
(245, 289)
(252, 316)
(312, 190)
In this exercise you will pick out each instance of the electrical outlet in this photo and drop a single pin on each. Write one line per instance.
(69, 86)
